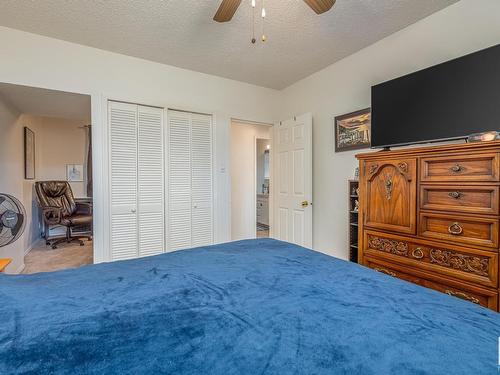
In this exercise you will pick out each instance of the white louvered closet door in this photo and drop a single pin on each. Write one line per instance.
(190, 185)
(179, 180)
(123, 174)
(150, 180)
(201, 180)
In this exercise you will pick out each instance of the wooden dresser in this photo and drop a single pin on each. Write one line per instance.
(430, 215)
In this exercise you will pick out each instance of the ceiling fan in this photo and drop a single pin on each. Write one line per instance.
(228, 7)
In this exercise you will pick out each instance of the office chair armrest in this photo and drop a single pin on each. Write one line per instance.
(84, 208)
(52, 215)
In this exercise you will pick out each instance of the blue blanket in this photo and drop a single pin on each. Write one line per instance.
(247, 307)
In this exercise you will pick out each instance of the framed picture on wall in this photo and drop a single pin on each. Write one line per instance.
(353, 130)
(74, 172)
(29, 154)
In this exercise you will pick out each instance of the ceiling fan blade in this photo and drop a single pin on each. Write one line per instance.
(226, 10)
(320, 6)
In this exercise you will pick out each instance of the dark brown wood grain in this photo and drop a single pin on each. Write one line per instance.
(482, 296)
(466, 230)
(430, 215)
(460, 198)
(476, 167)
(390, 187)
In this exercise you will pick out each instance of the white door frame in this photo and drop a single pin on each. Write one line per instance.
(255, 180)
(254, 196)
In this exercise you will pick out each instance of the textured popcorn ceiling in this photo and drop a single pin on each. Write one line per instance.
(182, 33)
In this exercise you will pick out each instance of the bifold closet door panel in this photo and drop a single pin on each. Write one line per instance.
(123, 179)
(179, 181)
(201, 180)
(150, 186)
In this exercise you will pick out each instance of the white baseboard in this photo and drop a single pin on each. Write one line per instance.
(30, 247)
(20, 269)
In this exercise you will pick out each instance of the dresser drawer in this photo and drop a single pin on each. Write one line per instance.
(478, 295)
(466, 199)
(472, 265)
(475, 167)
(479, 231)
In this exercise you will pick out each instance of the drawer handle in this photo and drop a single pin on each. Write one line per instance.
(456, 168)
(455, 229)
(417, 253)
(462, 295)
(455, 194)
(387, 272)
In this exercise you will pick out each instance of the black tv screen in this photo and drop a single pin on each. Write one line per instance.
(447, 101)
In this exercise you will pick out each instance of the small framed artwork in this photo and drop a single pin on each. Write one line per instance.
(353, 130)
(74, 172)
(29, 154)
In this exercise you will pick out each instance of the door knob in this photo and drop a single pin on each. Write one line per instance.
(133, 210)
(304, 204)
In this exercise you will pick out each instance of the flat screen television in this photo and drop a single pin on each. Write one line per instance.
(448, 101)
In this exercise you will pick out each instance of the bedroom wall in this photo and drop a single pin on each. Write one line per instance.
(11, 172)
(464, 27)
(39, 61)
(61, 142)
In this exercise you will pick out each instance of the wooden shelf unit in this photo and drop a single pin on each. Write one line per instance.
(353, 220)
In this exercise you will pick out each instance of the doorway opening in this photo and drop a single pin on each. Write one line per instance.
(262, 153)
(251, 179)
(46, 165)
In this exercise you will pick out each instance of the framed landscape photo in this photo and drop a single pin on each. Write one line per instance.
(353, 130)
(29, 154)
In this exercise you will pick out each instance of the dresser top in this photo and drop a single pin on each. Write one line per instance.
(433, 150)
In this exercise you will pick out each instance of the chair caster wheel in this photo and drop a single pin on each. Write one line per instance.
(47, 243)
(54, 247)
(81, 243)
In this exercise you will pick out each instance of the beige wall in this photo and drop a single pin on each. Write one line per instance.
(60, 142)
(11, 173)
(57, 142)
(464, 27)
(243, 164)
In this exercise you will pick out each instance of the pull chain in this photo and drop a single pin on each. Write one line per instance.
(264, 38)
(253, 22)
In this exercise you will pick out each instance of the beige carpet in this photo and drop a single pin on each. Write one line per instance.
(43, 258)
(262, 233)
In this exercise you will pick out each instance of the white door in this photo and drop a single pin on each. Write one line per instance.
(190, 185)
(122, 119)
(150, 187)
(292, 180)
(137, 182)
(179, 180)
(201, 180)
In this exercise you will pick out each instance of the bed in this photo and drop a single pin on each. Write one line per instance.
(247, 307)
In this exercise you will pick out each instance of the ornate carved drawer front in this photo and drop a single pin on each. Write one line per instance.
(466, 199)
(390, 187)
(478, 167)
(476, 266)
(479, 231)
(478, 295)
